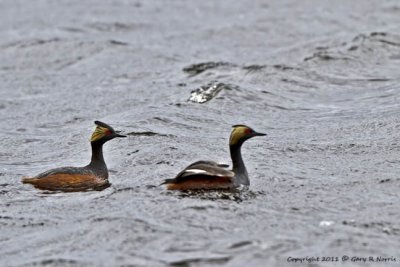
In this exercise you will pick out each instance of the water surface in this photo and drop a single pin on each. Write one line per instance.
(321, 80)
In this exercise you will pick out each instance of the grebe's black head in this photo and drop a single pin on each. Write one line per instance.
(103, 133)
(241, 133)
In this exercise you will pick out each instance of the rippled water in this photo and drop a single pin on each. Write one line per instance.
(321, 79)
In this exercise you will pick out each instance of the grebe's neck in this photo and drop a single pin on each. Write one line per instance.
(97, 164)
(239, 168)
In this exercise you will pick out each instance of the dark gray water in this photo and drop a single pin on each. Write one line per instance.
(322, 78)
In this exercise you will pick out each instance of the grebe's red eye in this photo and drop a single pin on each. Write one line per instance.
(248, 131)
(108, 132)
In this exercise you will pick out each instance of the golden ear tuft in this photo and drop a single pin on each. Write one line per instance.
(99, 133)
(237, 133)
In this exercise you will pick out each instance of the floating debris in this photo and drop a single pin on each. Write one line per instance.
(116, 42)
(207, 92)
(254, 67)
(195, 69)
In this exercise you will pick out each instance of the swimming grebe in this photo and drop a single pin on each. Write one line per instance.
(211, 175)
(72, 179)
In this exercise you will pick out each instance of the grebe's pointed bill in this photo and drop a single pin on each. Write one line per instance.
(259, 134)
(119, 135)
